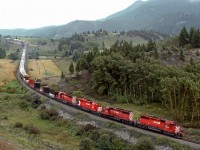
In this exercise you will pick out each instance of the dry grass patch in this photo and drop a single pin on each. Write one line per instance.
(7, 71)
(7, 146)
(63, 65)
(42, 68)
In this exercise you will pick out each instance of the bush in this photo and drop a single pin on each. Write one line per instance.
(145, 143)
(104, 142)
(86, 144)
(49, 114)
(24, 105)
(18, 125)
(32, 129)
(4, 118)
(86, 129)
(78, 93)
(36, 103)
(63, 122)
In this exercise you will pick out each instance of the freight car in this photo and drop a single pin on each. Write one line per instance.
(163, 126)
(22, 71)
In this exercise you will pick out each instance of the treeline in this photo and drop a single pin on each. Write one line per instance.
(190, 39)
(134, 74)
(77, 44)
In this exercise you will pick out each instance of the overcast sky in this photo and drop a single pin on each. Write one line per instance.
(38, 13)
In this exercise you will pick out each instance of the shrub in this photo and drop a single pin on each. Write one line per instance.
(86, 129)
(78, 93)
(145, 143)
(24, 105)
(86, 144)
(4, 118)
(36, 103)
(49, 114)
(32, 129)
(104, 142)
(18, 125)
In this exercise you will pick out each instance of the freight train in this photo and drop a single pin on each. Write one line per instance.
(147, 122)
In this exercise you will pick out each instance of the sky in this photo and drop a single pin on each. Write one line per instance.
(30, 14)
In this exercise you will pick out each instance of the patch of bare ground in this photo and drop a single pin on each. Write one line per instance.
(8, 146)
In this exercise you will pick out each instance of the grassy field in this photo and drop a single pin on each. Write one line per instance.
(42, 68)
(51, 135)
(7, 71)
(63, 65)
(34, 40)
(112, 38)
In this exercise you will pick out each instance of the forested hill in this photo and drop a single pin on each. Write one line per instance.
(166, 16)
(166, 73)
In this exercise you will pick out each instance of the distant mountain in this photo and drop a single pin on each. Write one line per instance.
(167, 16)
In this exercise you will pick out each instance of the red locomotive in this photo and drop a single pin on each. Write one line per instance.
(65, 97)
(159, 124)
(118, 113)
(89, 105)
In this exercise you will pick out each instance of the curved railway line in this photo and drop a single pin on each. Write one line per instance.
(96, 117)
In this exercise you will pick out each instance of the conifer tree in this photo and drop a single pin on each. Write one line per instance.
(71, 68)
(182, 57)
(191, 61)
(150, 45)
(191, 33)
(62, 75)
(183, 37)
(195, 39)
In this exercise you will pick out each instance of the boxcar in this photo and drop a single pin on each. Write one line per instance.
(31, 82)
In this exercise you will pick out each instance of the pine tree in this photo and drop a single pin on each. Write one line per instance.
(191, 61)
(182, 57)
(103, 45)
(62, 75)
(195, 39)
(78, 66)
(191, 33)
(71, 68)
(150, 45)
(183, 37)
(197, 53)
(155, 53)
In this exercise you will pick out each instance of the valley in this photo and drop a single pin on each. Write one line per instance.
(127, 81)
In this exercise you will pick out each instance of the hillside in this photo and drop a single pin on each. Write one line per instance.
(148, 15)
(155, 15)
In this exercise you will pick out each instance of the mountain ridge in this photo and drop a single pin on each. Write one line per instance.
(141, 15)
